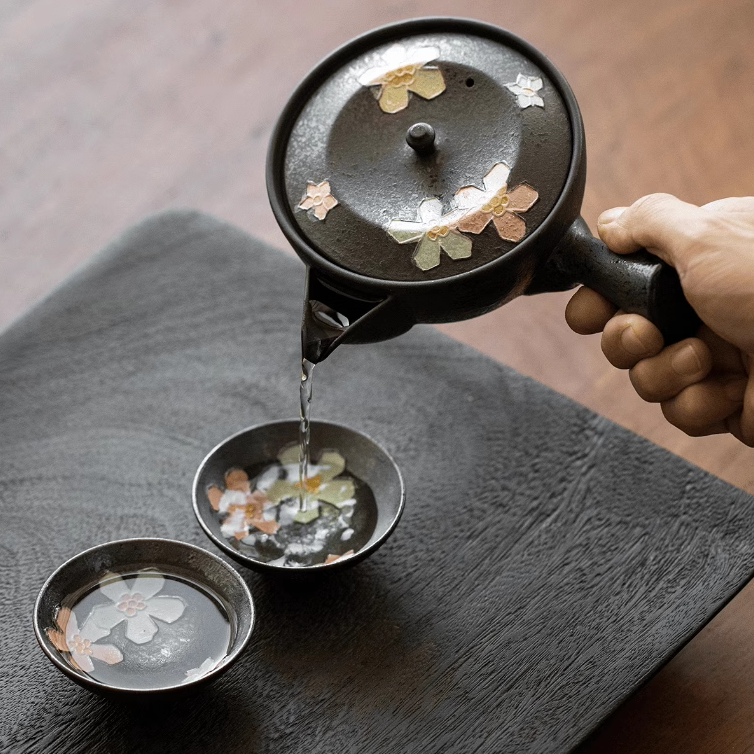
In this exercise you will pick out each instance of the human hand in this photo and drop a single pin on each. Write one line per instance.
(705, 385)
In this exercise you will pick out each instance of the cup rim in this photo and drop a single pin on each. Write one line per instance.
(93, 683)
(260, 565)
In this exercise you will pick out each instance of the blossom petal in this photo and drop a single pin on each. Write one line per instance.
(470, 196)
(148, 583)
(497, 177)
(113, 586)
(214, 495)
(373, 76)
(475, 222)
(106, 616)
(306, 203)
(57, 639)
(165, 608)
(320, 188)
(141, 628)
(90, 630)
(307, 516)
(521, 198)
(393, 99)
(535, 83)
(82, 662)
(537, 100)
(336, 491)
(237, 479)
(428, 83)
(510, 227)
(329, 202)
(331, 464)
(405, 232)
(268, 527)
(420, 56)
(320, 212)
(427, 254)
(515, 88)
(430, 211)
(395, 57)
(282, 489)
(456, 246)
(289, 455)
(524, 100)
(107, 653)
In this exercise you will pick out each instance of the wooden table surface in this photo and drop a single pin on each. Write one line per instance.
(112, 110)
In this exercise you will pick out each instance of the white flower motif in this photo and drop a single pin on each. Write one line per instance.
(402, 73)
(496, 204)
(526, 88)
(136, 604)
(203, 669)
(80, 642)
(435, 232)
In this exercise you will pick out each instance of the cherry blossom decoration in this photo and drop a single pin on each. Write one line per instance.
(242, 508)
(525, 89)
(318, 200)
(80, 642)
(496, 204)
(137, 604)
(403, 72)
(434, 232)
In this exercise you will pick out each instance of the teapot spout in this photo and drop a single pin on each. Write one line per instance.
(332, 317)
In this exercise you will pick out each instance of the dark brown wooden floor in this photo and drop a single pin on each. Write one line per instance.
(112, 110)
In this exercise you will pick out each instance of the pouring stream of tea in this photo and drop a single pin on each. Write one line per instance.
(320, 326)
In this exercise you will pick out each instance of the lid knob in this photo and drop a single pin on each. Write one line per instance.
(421, 138)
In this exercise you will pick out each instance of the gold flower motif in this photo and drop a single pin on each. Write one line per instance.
(319, 199)
(496, 204)
(402, 73)
(325, 485)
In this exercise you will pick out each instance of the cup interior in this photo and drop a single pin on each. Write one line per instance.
(178, 594)
(259, 445)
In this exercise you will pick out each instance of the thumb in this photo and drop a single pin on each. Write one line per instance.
(660, 223)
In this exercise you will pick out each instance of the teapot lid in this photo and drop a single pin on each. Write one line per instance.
(422, 150)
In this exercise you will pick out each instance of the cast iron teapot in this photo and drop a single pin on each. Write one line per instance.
(434, 169)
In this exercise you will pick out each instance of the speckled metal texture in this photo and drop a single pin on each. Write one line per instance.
(547, 562)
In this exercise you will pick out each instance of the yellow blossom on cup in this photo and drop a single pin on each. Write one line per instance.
(402, 72)
(496, 204)
(525, 89)
(322, 484)
(319, 199)
(435, 232)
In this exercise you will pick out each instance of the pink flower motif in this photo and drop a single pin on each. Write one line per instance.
(80, 643)
(319, 199)
(496, 204)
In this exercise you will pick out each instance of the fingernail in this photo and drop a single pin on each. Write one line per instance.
(631, 341)
(735, 389)
(610, 215)
(686, 361)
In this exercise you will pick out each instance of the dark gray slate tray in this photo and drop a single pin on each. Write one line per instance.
(547, 564)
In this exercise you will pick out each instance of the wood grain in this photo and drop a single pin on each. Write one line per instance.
(546, 563)
(113, 110)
